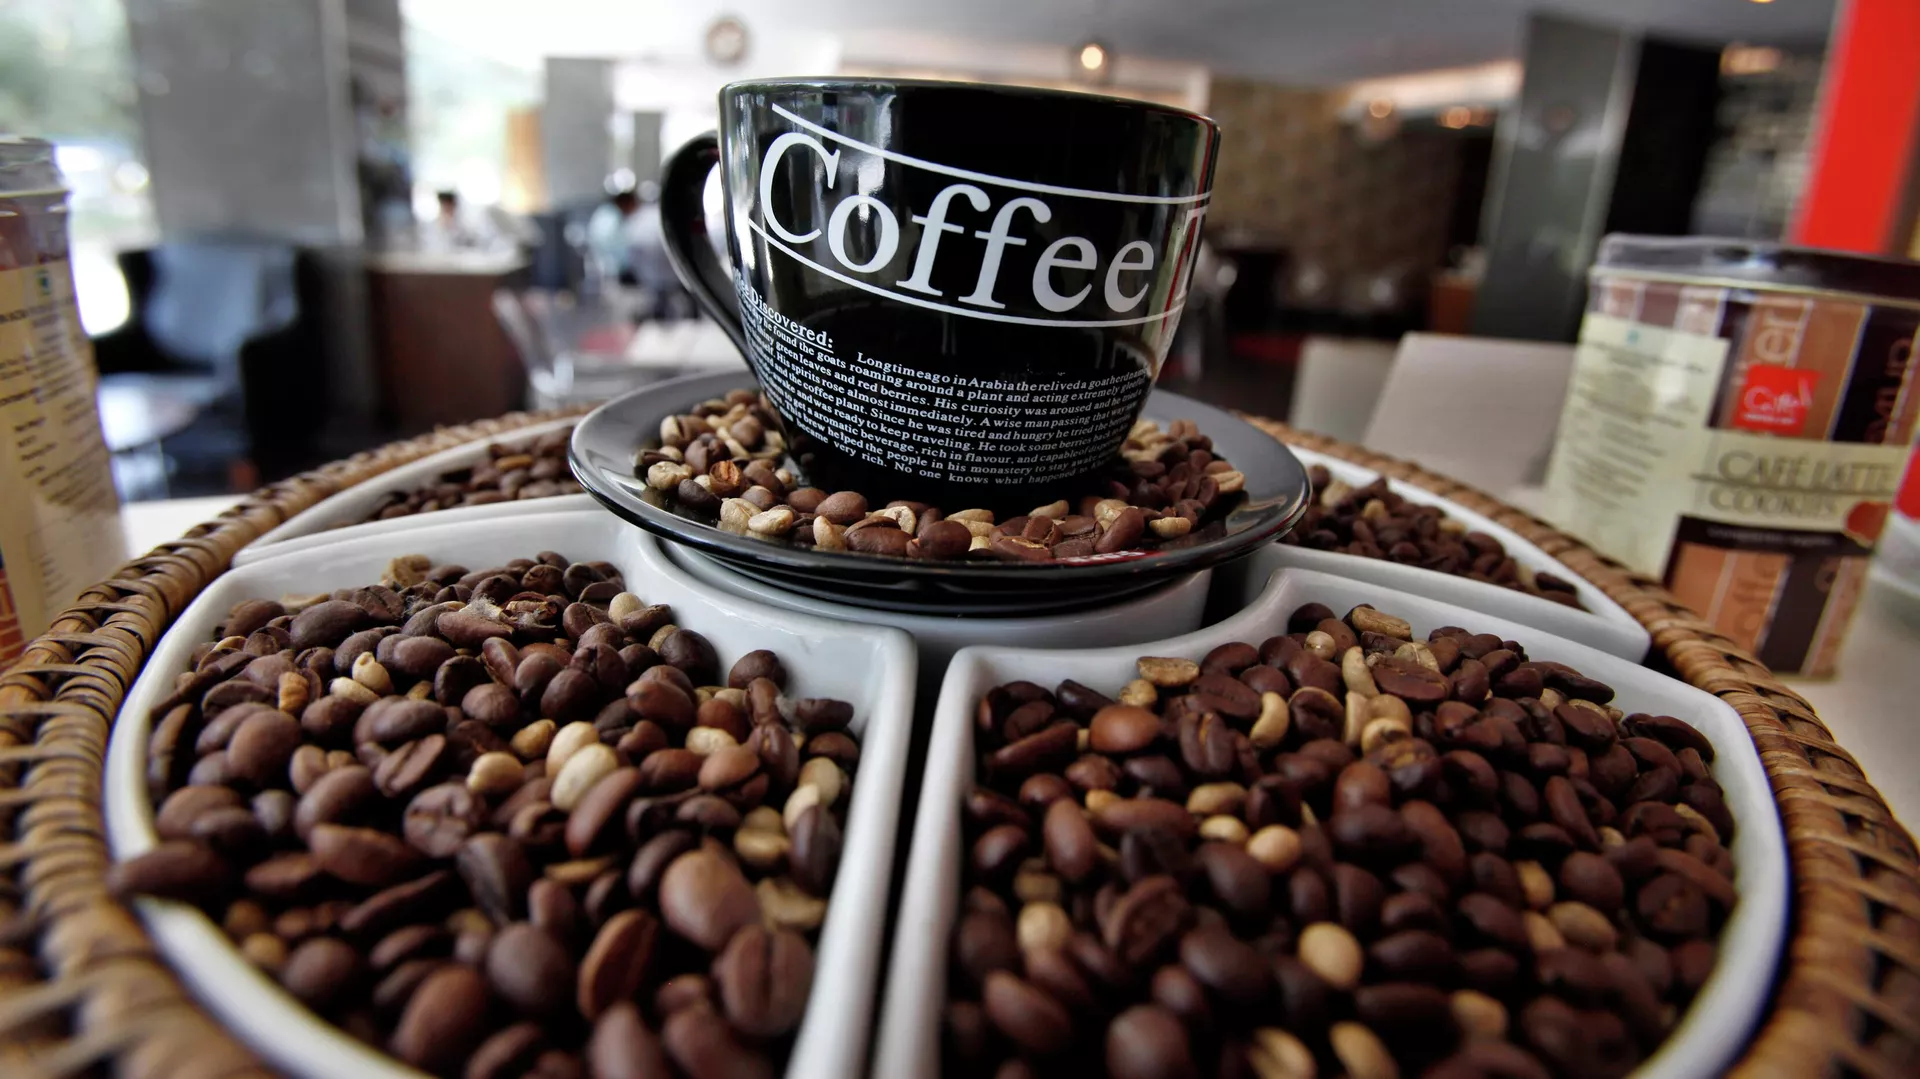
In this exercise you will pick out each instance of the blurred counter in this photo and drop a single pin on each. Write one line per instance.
(441, 355)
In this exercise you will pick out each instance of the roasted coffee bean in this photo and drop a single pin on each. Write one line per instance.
(1357, 898)
(497, 872)
(1236, 879)
(530, 969)
(1123, 729)
(1048, 750)
(1227, 966)
(1372, 833)
(1071, 847)
(763, 978)
(1151, 850)
(261, 747)
(1413, 955)
(393, 720)
(1206, 744)
(704, 898)
(1148, 1041)
(440, 819)
(322, 972)
(181, 808)
(508, 1052)
(1593, 880)
(1147, 920)
(1126, 815)
(1564, 807)
(1026, 1016)
(816, 849)
(1195, 484)
(510, 473)
(1410, 1010)
(1672, 907)
(361, 855)
(176, 869)
(389, 909)
(445, 1018)
(326, 623)
(624, 1047)
(410, 766)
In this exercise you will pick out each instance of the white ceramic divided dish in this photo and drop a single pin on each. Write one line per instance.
(871, 667)
(1704, 1044)
(343, 516)
(1168, 610)
(1604, 624)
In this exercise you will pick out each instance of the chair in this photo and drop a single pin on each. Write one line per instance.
(227, 325)
(1338, 383)
(1480, 409)
(560, 374)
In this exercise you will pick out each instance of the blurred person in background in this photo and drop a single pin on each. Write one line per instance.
(610, 234)
(625, 237)
(448, 230)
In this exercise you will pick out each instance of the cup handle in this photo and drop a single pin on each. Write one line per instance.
(683, 224)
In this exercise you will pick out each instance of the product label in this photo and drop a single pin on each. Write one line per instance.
(1765, 482)
(1744, 447)
(1775, 400)
(60, 529)
(1630, 435)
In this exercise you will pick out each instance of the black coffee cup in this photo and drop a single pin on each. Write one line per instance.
(949, 291)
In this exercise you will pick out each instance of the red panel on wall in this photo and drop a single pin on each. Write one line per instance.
(1863, 136)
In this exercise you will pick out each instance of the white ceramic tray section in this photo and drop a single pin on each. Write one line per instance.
(1171, 609)
(336, 517)
(1604, 624)
(1704, 1044)
(871, 667)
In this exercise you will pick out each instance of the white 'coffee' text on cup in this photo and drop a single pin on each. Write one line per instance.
(1124, 285)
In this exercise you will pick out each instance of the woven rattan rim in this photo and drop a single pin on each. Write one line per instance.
(82, 989)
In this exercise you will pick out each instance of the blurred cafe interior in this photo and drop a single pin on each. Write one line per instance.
(301, 228)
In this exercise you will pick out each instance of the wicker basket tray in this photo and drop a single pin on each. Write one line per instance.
(82, 990)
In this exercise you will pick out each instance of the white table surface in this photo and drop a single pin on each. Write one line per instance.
(1871, 707)
(684, 343)
(149, 524)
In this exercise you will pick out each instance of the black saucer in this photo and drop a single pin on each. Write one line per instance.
(1274, 499)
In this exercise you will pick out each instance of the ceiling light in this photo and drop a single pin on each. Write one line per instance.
(1456, 117)
(1379, 108)
(1092, 56)
(1763, 1)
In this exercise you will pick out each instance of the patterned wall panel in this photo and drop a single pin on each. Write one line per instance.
(1293, 172)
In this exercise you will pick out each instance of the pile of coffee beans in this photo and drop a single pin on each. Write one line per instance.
(1374, 522)
(1340, 851)
(721, 463)
(536, 469)
(506, 822)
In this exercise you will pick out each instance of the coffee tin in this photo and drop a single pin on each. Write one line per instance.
(1737, 423)
(59, 516)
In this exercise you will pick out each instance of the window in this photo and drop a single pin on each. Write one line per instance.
(66, 75)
